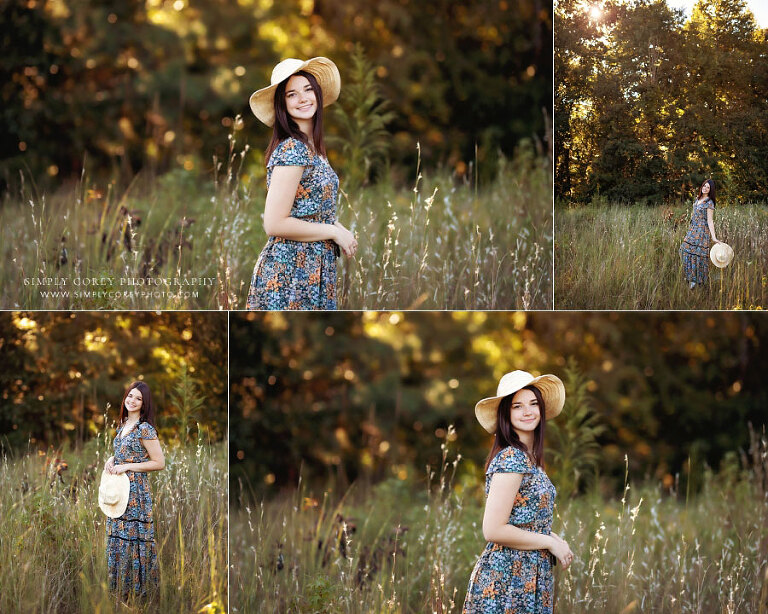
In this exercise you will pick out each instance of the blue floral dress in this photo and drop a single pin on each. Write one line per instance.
(509, 581)
(694, 250)
(298, 274)
(131, 550)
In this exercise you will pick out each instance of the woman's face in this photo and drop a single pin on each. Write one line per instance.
(705, 187)
(524, 413)
(134, 400)
(300, 100)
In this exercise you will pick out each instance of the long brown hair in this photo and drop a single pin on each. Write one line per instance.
(147, 411)
(286, 127)
(506, 435)
(711, 194)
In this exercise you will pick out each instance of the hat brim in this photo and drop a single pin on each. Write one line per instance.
(115, 510)
(552, 391)
(262, 102)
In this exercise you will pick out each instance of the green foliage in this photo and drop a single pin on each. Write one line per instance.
(649, 104)
(63, 369)
(187, 402)
(341, 397)
(572, 437)
(116, 87)
(362, 116)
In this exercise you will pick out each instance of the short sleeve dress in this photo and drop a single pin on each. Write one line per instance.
(297, 274)
(694, 250)
(509, 581)
(131, 549)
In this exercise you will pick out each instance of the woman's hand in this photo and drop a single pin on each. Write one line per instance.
(118, 469)
(560, 549)
(109, 465)
(345, 239)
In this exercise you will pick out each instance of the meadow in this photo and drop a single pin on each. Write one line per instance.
(409, 546)
(189, 239)
(610, 256)
(52, 532)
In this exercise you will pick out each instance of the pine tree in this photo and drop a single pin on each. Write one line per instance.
(188, 403)
(573, 436)
(363, 117)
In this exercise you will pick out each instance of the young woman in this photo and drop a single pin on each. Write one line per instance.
(514, 572)
(694, 250)
(131, 551)
(297, 267)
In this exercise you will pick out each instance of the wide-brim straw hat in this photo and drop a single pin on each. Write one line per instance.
(113, 493)
(551, 388)
(721, 255)
(324, 70)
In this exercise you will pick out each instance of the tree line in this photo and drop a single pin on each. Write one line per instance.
(63, 374)
(373, 396)
(120, 86)
(649, 103)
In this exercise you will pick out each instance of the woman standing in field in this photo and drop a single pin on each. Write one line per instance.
(514, 572)
(297, 267)
(694, 250)
(131, 550)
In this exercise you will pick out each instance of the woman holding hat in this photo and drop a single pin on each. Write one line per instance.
(694, 250)
(514, 572)
(297, 267)
(131, 550)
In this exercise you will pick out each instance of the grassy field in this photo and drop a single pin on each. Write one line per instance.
(396, 548)
(442, 244)
(626, 257)
(52, 532)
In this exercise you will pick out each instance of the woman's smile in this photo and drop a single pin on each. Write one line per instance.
(134, 400)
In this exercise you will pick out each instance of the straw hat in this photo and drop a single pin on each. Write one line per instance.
(721, 255)
(551, 388)
(113, 493)
(324, 70)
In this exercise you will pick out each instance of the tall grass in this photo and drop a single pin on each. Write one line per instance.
(447, 245)
(443, 244)
(626, 257)
(394, 548)
(53, 541)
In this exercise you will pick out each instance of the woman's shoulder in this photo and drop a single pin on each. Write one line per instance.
(291, 152)
(511, 460)
(146, 430)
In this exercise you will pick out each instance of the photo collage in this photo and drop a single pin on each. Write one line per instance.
(394, 307)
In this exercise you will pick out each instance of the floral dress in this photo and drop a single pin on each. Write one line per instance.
(694, 250)
(131, 550)
(299, 274)
(509, 581)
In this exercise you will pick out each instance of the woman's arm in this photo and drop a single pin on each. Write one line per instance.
(711, 224)
(498, 508)
(156, 460)
(277, 209)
